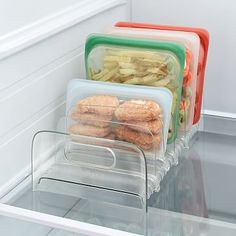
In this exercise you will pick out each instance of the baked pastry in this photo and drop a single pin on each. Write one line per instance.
(110, 136)
(89, 130)
(138, 110)
(143, 140)
(104, 105)
(149, 127)
(92, 119)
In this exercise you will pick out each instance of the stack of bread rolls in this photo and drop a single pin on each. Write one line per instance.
(142, 123)
(139, 121)
(94, 115)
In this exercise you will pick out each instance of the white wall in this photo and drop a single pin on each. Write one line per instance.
(16, 14)
(35, 66)
(219, 18)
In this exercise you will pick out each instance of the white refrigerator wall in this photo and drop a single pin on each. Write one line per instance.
(219, 18)
(17, 14)
(36, 63)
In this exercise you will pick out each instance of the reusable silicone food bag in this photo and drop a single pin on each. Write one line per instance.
(191, 43)
(118, 150)
(138, 62)
(79, 89)
(204, 44)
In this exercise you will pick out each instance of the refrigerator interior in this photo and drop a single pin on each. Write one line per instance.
(196, 197)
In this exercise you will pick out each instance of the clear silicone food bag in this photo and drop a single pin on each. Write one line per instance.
(202, 60)
(97, 104)
(138, 62)
(140, 116)
(191, 42)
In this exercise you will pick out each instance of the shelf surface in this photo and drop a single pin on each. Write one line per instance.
(196, 196)
(203, 182)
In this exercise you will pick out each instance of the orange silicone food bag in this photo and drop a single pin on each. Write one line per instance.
(204, 44)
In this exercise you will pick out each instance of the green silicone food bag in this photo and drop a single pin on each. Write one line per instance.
(134, 61)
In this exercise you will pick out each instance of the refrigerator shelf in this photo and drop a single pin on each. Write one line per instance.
(176, 209)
